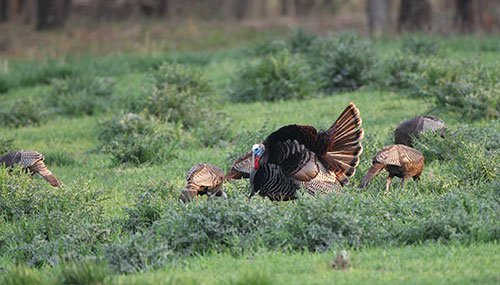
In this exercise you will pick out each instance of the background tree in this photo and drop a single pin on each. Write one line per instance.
(378, 16)
(415, 15)
(464, 16)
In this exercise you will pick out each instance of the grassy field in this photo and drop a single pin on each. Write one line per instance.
(118, 221)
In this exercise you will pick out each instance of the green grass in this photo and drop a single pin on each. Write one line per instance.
(422, 264)
(451, 218)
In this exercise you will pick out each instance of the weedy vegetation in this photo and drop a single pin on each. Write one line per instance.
(122, 131)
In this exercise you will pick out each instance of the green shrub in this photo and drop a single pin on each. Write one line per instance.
(23, 112)
(472, 154)
(342, 63)
(80, 95)
(31, 74)
(266, 48)
(182, 77)
(403, 72)
(138, 252)
(474, 93)
(278, 76)
(4, 84)
(301, 41)
(420, 45)
(28, 231)
(213, 130)
(137, 139)
(6, 145)
(148, 206)
(180, 94)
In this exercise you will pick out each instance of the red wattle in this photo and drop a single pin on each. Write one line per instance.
(256, 163)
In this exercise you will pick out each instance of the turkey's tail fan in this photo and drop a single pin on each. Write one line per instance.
(372, 172)
(40, 168)
(344, 146)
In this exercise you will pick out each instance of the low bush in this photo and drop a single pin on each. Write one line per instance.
(138, 252)
(27, 74)
(403, 72)
(6, 145)
(148, 206)
(4, 84)
(420, 45)
(182, 77)
(301, 41)
(23, 112)
(182, 95)
(266, 47)
(473, 94)
(278, 76)
(79, 95)
(472, 154)
(42, 226)
(138, 138)
(343, 63)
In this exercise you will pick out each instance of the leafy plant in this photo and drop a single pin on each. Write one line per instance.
(474, 94)
(80, 95)
(342, 63)
(420, 45)
(278, 76)
(6, 145)
(137, 138)
(23, 112)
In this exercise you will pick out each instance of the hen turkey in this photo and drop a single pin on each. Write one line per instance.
(203, 179)
(412, 128)
(298, 156)
(399, 160)
(31, 161)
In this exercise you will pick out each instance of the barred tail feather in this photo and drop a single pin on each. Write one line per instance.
(372, 172)
(40, 168)
(344, 147)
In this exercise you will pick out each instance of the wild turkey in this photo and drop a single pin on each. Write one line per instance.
(32, 161)
(203, 179)
(412, 128)
(399, 160)
(297, 156)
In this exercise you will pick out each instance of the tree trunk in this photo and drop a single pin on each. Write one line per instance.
(378, 16)
(4, 7)
(51, 13)
(239, 8)
(415, 15)
(464, 17)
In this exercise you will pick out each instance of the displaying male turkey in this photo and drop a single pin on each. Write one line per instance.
(203, 179)
(298, 156)
(31, 161)
(412, 128)
(399, 160)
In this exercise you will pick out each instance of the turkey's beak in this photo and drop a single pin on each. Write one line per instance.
(187, 196)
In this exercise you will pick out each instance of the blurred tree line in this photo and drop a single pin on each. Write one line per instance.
(383, 16)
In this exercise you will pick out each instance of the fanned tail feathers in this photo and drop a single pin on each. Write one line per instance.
(345, 146)
(372, 172)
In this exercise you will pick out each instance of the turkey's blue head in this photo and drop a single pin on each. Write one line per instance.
(257, 152)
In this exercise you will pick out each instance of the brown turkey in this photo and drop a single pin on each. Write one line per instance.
(410, 129)
(31, 161)
(298, 156)
(203, 179)
(399, 160)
